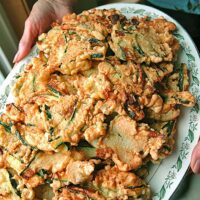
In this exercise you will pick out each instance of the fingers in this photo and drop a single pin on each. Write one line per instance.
(42, 15)
(195, 161)
(39, 19)
(27, 40)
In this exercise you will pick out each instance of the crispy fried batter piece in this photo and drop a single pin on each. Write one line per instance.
(130, 143)
(100, 100)
(144, 41)
(80, 39)
(109, 183)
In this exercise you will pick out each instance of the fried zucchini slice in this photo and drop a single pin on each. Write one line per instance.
(112, 183)
(77, 193)
(156, 73)
(184, 98)
(79, 40)
(179, 80)
(136, 141)
(167, 128)
(108, 183)
(155, 102)
(13, 143)
(51, 162)
(124, 77)
(56, 122)
(141, 45)
(32, 81)
(14, 113)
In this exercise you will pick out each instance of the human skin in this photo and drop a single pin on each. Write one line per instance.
(44, 12)
(195, 160)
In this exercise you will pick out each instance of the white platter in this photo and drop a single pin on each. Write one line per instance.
(165, 177)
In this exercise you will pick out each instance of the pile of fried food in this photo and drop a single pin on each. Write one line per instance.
(99, 103)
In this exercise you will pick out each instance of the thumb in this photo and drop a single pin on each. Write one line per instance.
(27, 40)
(195, 160)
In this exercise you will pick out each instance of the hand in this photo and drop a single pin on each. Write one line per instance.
(44, 12)
(195, 161)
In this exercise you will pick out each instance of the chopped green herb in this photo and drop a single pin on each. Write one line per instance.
(131, 28)
(22, 172)
(19, 109)
(48, 113)
(40, 109)
(183, 101)
(110, 117)
(139, 50)
(135, 187)
(123, 54)
(169, 126)
(93, 40)
(59, 144)
(89, 152)
(42, 173)
(18, 135)
(83, 128)
(48, 181)
(51, 131)
(67, 145)
(73, 114)
(97, 55)
(167, 148)
(65, 50)
(117, 75)
(28, 124)
(70, 32)
(84, 143)
(109, 52)
(18, 76)
(14, 184)
(62, 180)
(33, 83)
(129, 112)
(55, 91)
(6, 127)
(181, 78)
(65, 38)
(164, 97)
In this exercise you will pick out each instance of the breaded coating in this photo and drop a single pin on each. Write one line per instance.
(99, 102)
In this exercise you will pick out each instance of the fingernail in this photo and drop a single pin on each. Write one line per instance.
(15, 58)
(197, 167)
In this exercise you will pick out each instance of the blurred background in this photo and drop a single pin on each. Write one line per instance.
(13, 14)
